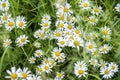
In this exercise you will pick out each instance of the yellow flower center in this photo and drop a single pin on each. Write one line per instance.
(107, 71)
(46, 61)
(4, 4)
(24, 75)
(86, 4)
(71, 38)
(62, 42)
(60, 75)
(113, 67)
(92, 20)
(11, 23)
(21, 24)
(61, 17)
(58, 34)
(95, 52)
(96, 10)
(77, 31)
(42, 36)
(5, 18)
(105, 32)
(23, 40)
(57, 53)
(88, 37)
(68, 18)
(81, 72)
(90, 46)
(66, 9)
(85, 18)
(45, 24)
(61, 25)
(7, 43)
(46, 67)
(38, 53)
(104, 49)
(40, 69)
(69, 27)
(13, 75)
(76, 43)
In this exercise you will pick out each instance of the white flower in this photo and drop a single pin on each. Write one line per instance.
(106, 30)
(37, 33)
(10, 24)
(45, 18)
(113, 67)
(106, 37)
(38, 53)
(106, 72)
(117, 7)
(59, 75)
(47, 68)
(49, 61)
(25, 74)
(80, 64)
(105, 49)
(7, 42)
(94, 62)
(97, 10)
(85, 4)
(4, 5)
(90, 46)
(21, 22)
(45, 24)
(35, 77)
(62, 42)
(80, 69)
(37, 44)
(57, 34)
(5, 17)
(22, 40)
(103, 64)
(32, 60)
(14, 73)
(78, 42)
(93, 20)
(39, 69)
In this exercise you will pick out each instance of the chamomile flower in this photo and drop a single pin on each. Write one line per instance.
(45, 18)
(4, 5)
(93, 20)
(25, 74)
(103, 64)
(80, 70)
(38, 53)
(37, 33)
(47, 68)
(117, 7)
(106, 38)
(90, 46)
(39, 69)
(105, 49)
(35, 77)
(46, 24)
(113, 67)
(106, 72)
(37, 44)
(80, 64)
(59, 76)
(96, 10)
(94, 62)
(7, 42)
(10, 24)
(22, 40)
(14, 73)
(49, 61)
(66, 9)
(61, 58)
(32, 60)
(5, 17)
(106, 30)
(95, 52)
(57, 34)
(62, 42)
(21, 22)
(85, 4)
(78, 42)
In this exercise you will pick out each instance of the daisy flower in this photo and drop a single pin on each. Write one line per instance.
(105, 49)
(80, 70)
(32, 60)
(57, 34)
(25, 74)
(49, 61)
(80, 64)
(45, 18)
(61, 58)
(14, 73)
(106, 72)
(62, 42)
(103, 64)
(59, 76)
(37, 44)
(38, 53)
(66, 8)
(94, 62)
(47, 68)
(21, 22)
(78, 42)
(117, 7)
(97, 10)
(106, 30)
(106, 38)
(39, 69)
(7, 42)
(35, 77)
(93, 20)
(113, 67)
(46, 24)
(10, 24)
(85, 4)
(22, 40)
(90, 46)
(37, 33)
(5, 17)
(4, 5)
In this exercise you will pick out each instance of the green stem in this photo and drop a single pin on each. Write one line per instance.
(25, 53)
(2, 58)
(94, 76)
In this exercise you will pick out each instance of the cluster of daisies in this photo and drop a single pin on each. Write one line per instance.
(67, 33)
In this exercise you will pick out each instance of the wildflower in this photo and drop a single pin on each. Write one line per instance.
(14, 73)
(45, 18)
(117, 7)
(105, 49)
(7, 42)
(21, 22)
(94, 62)
(59, 76)
(5, 17)
(35, 77)
(62, 42)
(37, 33)
(10, 24)
(85, 4)
(47, 68)
(113, 67)
(4, 5)
(93, 20)
(106, 30)
(90, 46)
(22, 40)
(38, 53)
(97, 10)
(32, 60)
(37, 44)
(39, 69)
